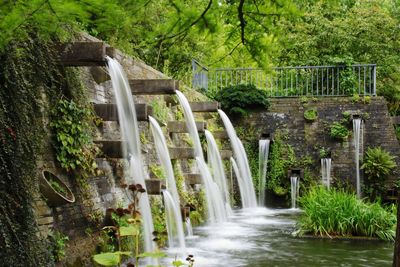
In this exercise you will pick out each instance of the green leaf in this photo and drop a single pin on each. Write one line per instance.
(128, 230)
(110, 259)
(177, 263)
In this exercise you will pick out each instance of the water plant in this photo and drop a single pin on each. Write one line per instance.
(310, 115)
(337, 213)
(338, 131)
(377, 165)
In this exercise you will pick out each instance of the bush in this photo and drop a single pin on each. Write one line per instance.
(239, 99)
(336, 213)
(310, 115)
(338, 131)
(378, 164)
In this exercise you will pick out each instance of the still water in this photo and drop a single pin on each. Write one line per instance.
(262, 237)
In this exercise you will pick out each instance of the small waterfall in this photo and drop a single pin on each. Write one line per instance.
(216, 207)
(263, 148)
(176, 236)
(217, 168)
(239, 179)
(326, 171)
(215, 204)
(164, 157)
(249, 199)
(357, 135)
(130, 134)
(189, 228)
(294, 186)
(190, 124)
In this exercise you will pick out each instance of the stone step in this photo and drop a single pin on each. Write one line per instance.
(180, 126)
(192, 178)
(153, 186)
(210, 106)
(109, 112)
(220, 135)
(181, 153)
(82, 53)
(154, 86)
(226, 154)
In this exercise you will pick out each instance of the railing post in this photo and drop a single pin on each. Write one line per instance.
(374, 79)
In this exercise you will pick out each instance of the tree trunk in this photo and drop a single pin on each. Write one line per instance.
(396, 258)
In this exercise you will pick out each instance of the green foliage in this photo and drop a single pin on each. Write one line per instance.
(58, 242)
(338, 131)
(160, 110)
(324, 152)
(58, 187)
(239, 99)
(74, 146)
(110, 258)
(28, 76)
(281, 158)
(377, 165)
(336, 213)
(158, 171)
(310, 115)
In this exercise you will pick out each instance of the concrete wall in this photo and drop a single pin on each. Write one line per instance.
(306, 137)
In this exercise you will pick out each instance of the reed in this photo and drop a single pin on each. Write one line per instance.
(338, 213)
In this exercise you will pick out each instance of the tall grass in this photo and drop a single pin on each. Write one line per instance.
(337, 213)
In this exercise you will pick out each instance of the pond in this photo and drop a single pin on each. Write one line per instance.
(262, 237)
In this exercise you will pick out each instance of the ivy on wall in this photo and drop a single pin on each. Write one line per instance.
(28, 75)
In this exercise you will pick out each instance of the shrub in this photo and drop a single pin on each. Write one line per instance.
(336, 213)
(338, 131)
(377, 165)
(238, 99)
(310, 115)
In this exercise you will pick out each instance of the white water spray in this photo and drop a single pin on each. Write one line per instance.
(217, 168)
(326, 171)
(294, 192)
(176, 236)
(357, 135)
(263, 150)
(249, 200)
(131, 148)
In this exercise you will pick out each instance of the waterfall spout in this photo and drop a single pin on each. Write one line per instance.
(249, 200)
(263, 146)
(130, 134)
(294, 186)
(357, 136)
(326, 171)
(176, 236)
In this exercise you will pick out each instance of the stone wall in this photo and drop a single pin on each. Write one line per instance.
(307, 138)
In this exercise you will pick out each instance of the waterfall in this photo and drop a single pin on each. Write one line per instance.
(164, 157)
(249, 200)
(190, 124)
(294, 190)
(217, 168)
(263, 150)
(176, 236)
(357, 134)
(215, 204)
(189, 228)
(326, 171)
(239, 179)
(131, 145)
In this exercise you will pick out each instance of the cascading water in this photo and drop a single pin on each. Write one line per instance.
(217, 168)
(190, 124)
(189, 228)
(164, 157)
(176, 236)
(357, 135)
(215, 204)
(294, 190)
(326, 171)
(216, 207)
(239, 179)
(249, 200)
(263, 146)
(131, 145)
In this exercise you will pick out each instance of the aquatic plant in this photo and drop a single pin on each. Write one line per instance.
(337, 213)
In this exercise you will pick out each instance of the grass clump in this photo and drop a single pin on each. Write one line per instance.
(337, 213)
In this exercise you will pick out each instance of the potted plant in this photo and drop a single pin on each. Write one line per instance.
(54, 190)
(310, 115)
